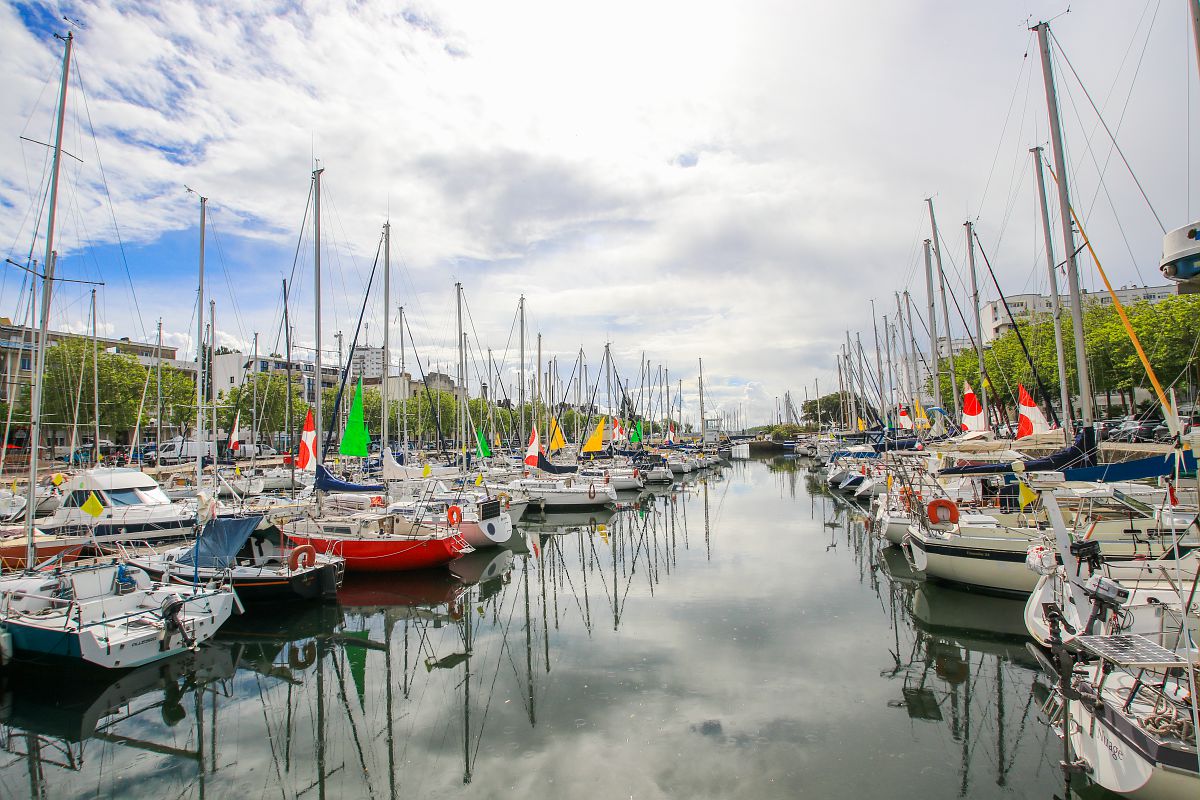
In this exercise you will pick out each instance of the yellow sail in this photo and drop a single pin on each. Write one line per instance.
(557, 440)
(595, 442)
(920, 418)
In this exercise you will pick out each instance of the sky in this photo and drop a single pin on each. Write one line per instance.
(727, 182)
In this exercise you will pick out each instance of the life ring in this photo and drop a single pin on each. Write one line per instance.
(303, 657)
(303, 556)
(377, 501)
(453, 516)
(934, 508)
(505, 498)
(591, 491)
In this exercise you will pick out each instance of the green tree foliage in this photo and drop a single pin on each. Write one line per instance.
(1167, 331)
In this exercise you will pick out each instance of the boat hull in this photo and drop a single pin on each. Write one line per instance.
(387, 553)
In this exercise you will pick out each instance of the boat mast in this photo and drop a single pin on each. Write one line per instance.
(937, 253)
(703, 426)
(1055, 306)
(521, 388)
(35, 421)
(1068, 232)
(983, 381)
(317, 311)
(287, 353)
(212, 347)
(883, 404)
(935, 367)
(95, 383)
(200, 351)
(387, 364)
(460, 396)
(158, 382)
(404, 394)
(914, 362)
(254, 409)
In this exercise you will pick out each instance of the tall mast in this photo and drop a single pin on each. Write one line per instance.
(404, 394)
(521, 387)
(915, 362)
(387, 368)
(212, 347)
(200, 354)
(537, 398)
(287, 415)
(1068, 232)
(1055, 307)
(95, 381)
(983, 395)
(158, 382)
(459, 404)
(937, 253)
(700, 381)
(903, 355)
(317, 309)
(254, 409)
(862, 375)
(888, 337)
(883, 404)
(935, 367)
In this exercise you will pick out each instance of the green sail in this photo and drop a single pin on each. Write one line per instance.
(481, 450)
(356, 439)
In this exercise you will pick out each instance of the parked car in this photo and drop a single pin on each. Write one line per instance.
(1135, 432)
(1162, 433)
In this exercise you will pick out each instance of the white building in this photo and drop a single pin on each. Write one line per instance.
(995, 320)
(230, 370)
(367, 363)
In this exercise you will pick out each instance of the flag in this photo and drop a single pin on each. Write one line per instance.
(535, 446)
(1032, 420)
(557, 440)
(58, 479)
(479, 479)
(499, 444)
(234, 444)
(618, 433)
(919, 415)
(427, 471)
(355, 439)
(636, 435)
(92, 506)
(972, 410)
(671, 433)
(307, 460)
(862, 426)
(481, 450)
(595, 442)
(1026, 495)
(905, 420)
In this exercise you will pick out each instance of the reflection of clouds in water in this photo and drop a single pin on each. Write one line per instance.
(755, 674)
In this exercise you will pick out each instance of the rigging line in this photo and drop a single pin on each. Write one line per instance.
(237, 311)
(1007, 117)
(1112, 137)
(108, 195)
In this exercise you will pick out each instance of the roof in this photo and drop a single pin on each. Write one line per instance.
(105, 478)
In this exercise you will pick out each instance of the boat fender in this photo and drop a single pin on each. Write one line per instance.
(636, 474)
(376, 502)
(941, 510)
(607, 478)
(302, 557)
(453, 516)
(591, 491)
(303, 657)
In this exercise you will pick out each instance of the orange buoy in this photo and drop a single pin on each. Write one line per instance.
(941, 510)
(303, 556)
(376, 502)
(453, 516)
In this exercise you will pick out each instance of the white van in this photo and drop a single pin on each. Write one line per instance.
(179, 451)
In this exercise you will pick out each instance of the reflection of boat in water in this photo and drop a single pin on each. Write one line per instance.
(67, 703)
(482, 566)
(897, 567)
(426, 587)
(970, 616)
(558, 522)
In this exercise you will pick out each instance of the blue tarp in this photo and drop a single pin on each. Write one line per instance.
(219, 542)
(545, 466)
(327, 483)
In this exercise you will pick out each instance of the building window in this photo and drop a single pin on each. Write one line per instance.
(25, 365)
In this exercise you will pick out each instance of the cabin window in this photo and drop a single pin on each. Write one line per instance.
(77, 498)
(124, 497)
(154, 496)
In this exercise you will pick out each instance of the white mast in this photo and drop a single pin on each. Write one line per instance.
(935, 367)
(404, 394)
(387, 297)
(1068, 232)
(318, 444)
(95, 381)
(703, 427)
(983, 398)
(937, 254)
(1055, 307)
(200, 362)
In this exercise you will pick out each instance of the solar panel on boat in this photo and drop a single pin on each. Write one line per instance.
(1130, 650)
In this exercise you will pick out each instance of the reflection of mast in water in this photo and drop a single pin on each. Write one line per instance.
(528, 644)
(707, 537)
(467, 623)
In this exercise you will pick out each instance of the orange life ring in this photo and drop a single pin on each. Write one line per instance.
(302, 657)
(453, 516)
(591, 491)
(377, 501)
(951, 509)
(304, 553)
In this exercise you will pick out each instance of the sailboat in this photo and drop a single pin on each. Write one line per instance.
(110, 615)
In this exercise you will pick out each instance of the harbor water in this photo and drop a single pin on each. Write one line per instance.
(737, 635)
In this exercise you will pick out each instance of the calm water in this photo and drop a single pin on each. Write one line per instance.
(735, 636)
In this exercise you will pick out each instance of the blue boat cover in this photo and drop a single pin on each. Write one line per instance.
(327, 483)
(1075, 461)
(219, 542)
(545, 466)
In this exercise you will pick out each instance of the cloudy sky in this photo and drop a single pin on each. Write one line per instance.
(728, 181)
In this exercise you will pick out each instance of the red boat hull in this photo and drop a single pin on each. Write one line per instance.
(385, 554)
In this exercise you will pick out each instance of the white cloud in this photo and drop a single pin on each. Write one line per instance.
(732, 182)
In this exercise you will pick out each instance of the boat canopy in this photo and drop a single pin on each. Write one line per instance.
(219, 542)
(554, 469)
(327, 483)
